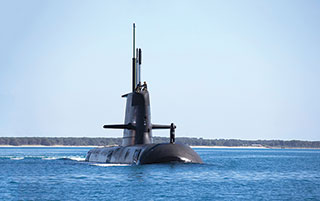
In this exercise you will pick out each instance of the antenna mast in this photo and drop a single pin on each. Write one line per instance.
(134, 59)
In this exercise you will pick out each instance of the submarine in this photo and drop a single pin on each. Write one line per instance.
(137, 145)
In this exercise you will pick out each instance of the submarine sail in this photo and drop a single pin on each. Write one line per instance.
(137, 145)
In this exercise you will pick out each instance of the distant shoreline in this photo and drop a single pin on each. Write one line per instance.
(233, 147)
(251, 147)
(194, 142)
(196, 146)
(51, 146)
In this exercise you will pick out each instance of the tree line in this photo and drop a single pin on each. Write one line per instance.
(84, 141)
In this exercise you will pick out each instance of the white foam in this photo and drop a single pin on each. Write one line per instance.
(76, 158)
(185, 160)
(109, 164)
(17, 158)
(49, 158)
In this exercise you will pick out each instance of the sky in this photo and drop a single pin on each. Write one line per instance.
(217, 69)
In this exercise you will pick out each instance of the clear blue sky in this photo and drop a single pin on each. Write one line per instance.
(217, 69)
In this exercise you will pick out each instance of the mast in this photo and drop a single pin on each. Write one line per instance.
(134, 59)
(139, 59)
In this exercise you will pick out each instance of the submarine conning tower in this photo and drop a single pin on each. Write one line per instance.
(137, 124)
(138, 118)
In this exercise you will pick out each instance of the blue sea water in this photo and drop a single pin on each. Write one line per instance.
(228, 174)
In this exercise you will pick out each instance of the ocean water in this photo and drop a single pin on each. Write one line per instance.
(228, 174)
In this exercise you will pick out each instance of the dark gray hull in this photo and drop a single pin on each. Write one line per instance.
(144, 154)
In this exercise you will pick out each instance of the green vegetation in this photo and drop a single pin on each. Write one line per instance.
(76, 141)
(49, 141)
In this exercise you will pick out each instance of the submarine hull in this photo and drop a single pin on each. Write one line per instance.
(144, 154)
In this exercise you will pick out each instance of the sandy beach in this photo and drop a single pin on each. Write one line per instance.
(231, 147)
